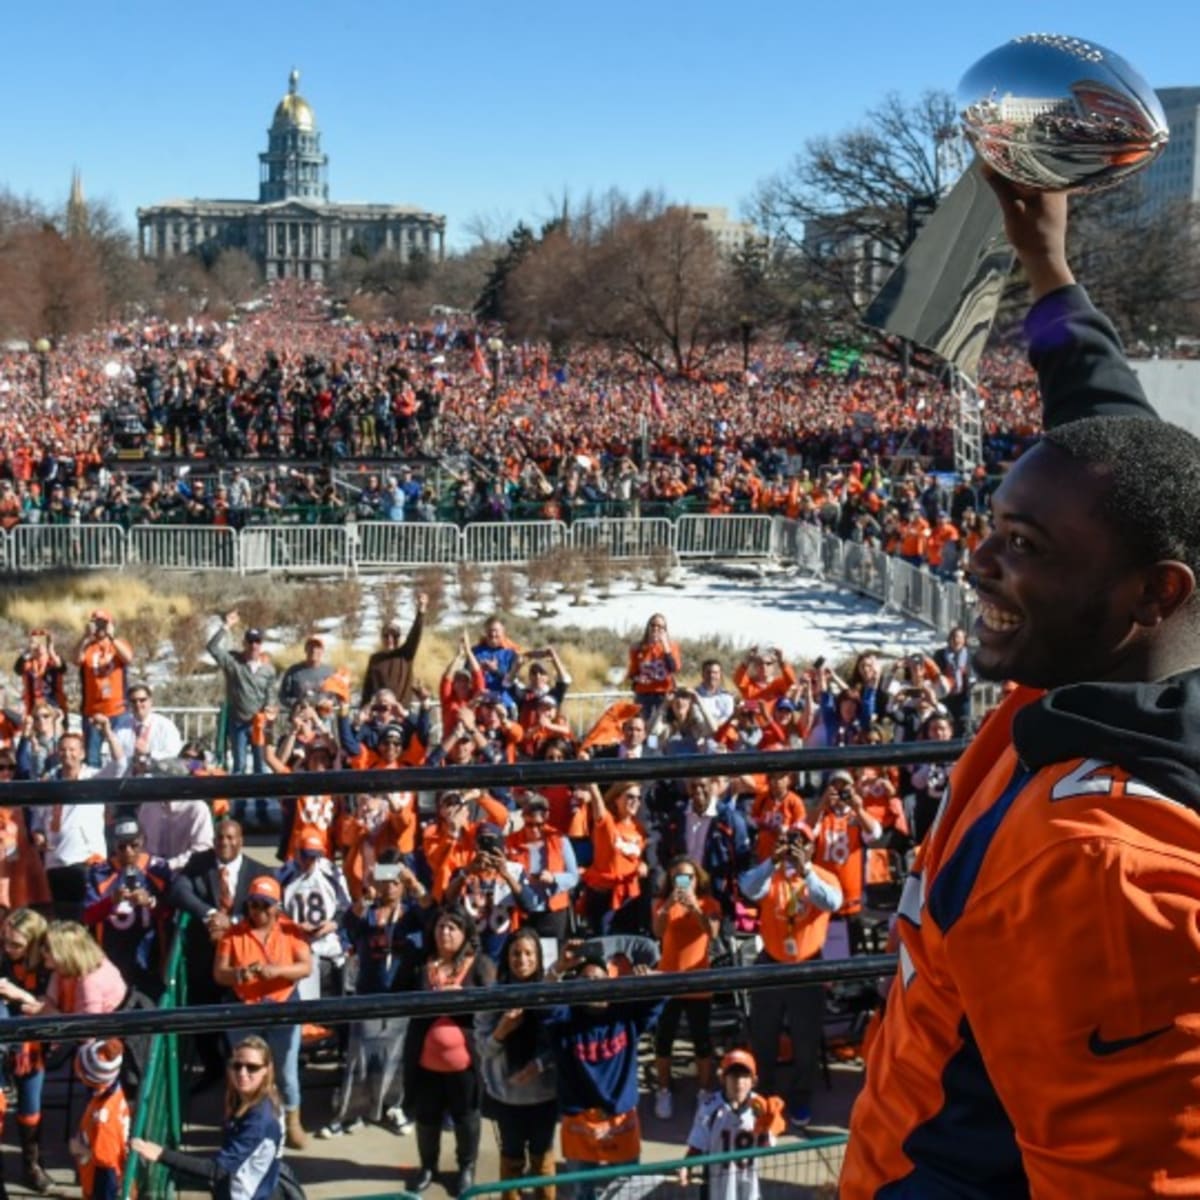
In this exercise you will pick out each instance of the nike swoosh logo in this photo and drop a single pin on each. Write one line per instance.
(1102, 1048)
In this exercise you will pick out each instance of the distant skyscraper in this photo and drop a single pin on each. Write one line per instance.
(1174, 177)
(292, 230)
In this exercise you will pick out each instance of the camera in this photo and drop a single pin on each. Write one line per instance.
(489, 843)
(386, 872)
(130, 880)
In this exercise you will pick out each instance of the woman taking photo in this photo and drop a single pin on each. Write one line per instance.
(519, 1079)
(23, 971)
(441, 1075)
(686, 919)
(247, 1165)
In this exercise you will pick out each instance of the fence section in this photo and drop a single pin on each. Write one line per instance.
(512, 541)
(182, 547)
(796, 1169)
(624, 537)
(723, 537)
(387, 545)
(81, 547)
(383, 546)
(296, 549)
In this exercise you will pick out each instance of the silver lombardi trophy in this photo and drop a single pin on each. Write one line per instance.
(1050, 113)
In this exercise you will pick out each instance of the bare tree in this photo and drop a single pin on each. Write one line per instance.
(636, 274)
(849, 204)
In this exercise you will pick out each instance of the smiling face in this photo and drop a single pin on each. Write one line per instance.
(522, 958)
(1057, 595)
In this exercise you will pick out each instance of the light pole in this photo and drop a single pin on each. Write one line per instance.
(42, 346)
(496, 349)
(747, 325)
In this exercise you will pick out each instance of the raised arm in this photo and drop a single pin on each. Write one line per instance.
(1082, 369)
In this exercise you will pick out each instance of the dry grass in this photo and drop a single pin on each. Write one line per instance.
(166, 617)
(506, 592)
(64, 602)
(469, 578)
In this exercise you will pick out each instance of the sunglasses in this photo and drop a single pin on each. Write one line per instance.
(135, 844)
(258, 903)
(248, 1067)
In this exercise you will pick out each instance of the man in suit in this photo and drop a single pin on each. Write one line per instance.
(212, 890)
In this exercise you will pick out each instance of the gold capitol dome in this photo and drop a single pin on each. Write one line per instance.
(293, 109)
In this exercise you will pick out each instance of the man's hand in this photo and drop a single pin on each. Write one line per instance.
(422, 602)
(1036, 225)
(231, 619)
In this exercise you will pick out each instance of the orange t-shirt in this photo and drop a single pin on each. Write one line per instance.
(618, 847)
(685, 943)
(281, 948)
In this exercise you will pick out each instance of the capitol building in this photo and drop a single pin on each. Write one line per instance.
(292, 230)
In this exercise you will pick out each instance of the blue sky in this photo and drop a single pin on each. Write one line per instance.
(492, 111)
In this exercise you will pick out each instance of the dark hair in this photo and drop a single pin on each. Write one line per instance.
(703, 884)
(464, 921)
(526, 934)
(1152, 469)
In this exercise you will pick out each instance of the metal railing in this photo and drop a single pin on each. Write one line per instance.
(786, 1167)
(382, 546)
(159, 1116)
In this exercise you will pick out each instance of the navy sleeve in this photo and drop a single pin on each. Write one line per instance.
(1082, 369)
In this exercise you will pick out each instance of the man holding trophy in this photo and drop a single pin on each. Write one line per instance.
(1042, 1037)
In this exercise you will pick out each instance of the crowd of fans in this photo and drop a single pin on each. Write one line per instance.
(847, 442)
(396, 891)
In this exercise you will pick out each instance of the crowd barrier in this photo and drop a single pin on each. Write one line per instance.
(159, 1113)
(372, 546)
(175, 1017)
(792, 1169)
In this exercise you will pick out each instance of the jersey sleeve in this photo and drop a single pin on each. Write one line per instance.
(1082, 369)
(1080, 991)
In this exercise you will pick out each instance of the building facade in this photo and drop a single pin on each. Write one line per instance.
(292, 230)
(1174, 177)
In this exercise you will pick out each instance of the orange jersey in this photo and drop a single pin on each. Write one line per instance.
(841, 850)
(650, 671)
(771, 817)
(104, 1131)
(102, 673)
(767, 690)
(1041, 1038)
(445, 853)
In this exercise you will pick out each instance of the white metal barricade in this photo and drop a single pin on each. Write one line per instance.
(183, 547)
(296, 549)
(82, 547)
(194, 723)
(723, 536)
(512, 541)
(583, 709)
(797, 542)
(383, 545)
(624, 537)
(5, 550)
